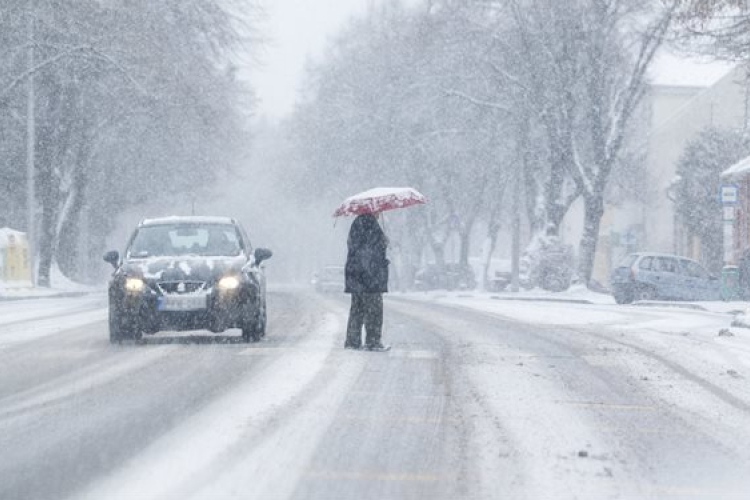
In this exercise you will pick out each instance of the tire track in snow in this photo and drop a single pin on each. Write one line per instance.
(87, 378)
(32, 331)
(220, 445)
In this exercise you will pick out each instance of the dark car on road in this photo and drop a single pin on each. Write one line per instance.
(187, 273)
(451, 276)
(649, 276)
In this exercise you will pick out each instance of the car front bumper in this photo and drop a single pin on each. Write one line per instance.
(223, 309)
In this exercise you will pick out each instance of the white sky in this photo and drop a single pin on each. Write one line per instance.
(296, 29)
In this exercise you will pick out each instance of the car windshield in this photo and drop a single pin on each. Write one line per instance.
(185, 239)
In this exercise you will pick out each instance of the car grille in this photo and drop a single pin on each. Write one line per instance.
(181, 287)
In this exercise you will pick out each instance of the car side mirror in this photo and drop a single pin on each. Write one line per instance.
(113, 257)
(262, 254)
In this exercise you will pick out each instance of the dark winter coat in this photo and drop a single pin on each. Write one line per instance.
(366, 263)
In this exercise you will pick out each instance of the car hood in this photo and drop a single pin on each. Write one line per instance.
(188, 268)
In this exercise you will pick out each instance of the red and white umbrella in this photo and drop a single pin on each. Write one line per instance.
(379, 200)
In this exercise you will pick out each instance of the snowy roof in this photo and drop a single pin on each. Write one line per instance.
(6, 233)
(739, 169)
(674, 70)
(191, 219)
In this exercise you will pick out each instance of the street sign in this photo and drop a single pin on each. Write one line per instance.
(729, 213)
(728, 243)
(729, 194)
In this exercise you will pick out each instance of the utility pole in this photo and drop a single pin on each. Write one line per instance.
(515, 256)
(30, 150)
(521, 158)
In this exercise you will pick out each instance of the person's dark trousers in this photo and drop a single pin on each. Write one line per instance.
(367, 311)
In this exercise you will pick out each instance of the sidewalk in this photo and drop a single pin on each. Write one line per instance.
(8, 294)
(61, 287)
(708, 338)
(579, 294)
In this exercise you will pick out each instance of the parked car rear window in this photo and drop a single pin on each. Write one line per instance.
(695, 270)
(666, 264)
(645, 263)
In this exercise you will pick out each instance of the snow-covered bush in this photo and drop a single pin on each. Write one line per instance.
(549, 264)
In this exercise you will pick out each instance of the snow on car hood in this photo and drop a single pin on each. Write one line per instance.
(189, 268)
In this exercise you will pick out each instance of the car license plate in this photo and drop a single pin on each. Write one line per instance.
(183, 302)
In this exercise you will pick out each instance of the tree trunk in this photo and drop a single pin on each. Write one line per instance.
(52, 141)
(67, 249)
(464, 237)
(47, 245)
(438, 250)
(493, 229)
(593, 212)
(68, 236)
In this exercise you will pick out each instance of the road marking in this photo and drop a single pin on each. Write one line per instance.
(604, 360)
(409, 354)
(608, 406)
(395, 394)
(372, 476)
(690, 491)
(74, 353)
(405, 419)
(263, 351)
(394, 353)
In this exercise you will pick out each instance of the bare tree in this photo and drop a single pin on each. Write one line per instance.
(141, 95)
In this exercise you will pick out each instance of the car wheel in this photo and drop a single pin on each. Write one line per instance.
(251, 330)
(250, 333)
(262, 321)
(645, 293)
(120, 328)
(623, 296)
(115, 331)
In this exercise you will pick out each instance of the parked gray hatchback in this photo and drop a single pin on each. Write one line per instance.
(649, 276)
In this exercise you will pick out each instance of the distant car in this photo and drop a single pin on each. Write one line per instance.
(187, 273)
(449, 277)
(329, 280)
(648, 276)
(499, 281)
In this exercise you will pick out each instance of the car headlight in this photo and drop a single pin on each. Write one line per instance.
(229, 283)
(134, 284)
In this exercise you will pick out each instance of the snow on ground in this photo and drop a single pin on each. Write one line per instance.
(652, 320)
(701, 340)
(200, 451)
(61, 286)
(29, 320)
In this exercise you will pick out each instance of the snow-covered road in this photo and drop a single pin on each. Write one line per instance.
(472, 402)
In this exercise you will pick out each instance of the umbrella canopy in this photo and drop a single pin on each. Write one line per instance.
(379, 200)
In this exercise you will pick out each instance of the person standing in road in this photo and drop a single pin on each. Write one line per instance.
(367, 281)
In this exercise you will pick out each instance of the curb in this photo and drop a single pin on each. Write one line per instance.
(543, 299)
(676, 305)
(61, 295)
